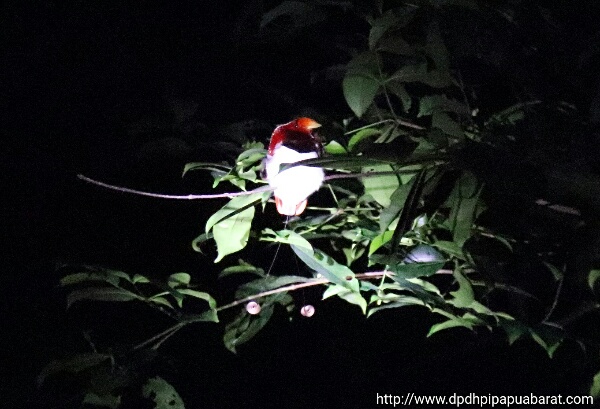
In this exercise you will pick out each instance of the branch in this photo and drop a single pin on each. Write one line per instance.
(313, 282)
(177, 197)
(167, 333)
(229, 195)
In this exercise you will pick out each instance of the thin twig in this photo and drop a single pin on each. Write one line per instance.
(167, 332)
(178, 197)
(228, 194)
(555, 301)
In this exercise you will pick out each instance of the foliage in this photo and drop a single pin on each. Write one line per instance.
(410, 215)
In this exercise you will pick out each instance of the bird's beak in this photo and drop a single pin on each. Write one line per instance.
(308, 123)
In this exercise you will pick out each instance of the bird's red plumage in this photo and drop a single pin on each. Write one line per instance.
(298, 135)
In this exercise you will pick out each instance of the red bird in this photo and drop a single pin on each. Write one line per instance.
(293, 142)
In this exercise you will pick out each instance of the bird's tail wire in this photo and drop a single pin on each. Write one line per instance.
(285, 224)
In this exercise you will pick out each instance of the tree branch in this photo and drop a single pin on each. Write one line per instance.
(177, 197)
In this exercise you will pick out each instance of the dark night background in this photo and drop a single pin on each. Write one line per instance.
(95, 88)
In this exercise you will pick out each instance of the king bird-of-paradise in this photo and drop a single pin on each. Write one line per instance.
(293, 142)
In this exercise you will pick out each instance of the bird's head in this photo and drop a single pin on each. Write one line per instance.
(298, 135)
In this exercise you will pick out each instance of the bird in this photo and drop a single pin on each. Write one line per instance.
(290, 143)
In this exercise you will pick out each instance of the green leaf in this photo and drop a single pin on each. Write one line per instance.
(439, 78)
(409, 73)
(399, 301)
(140, 279)
(415, 270)
(380, 187)
(89, 276)
(333, 290)
(452, 323)
(436, 49)
(335, 148)
(440, 103)
(268, 283)
(380, 25)
(75, 364)
(231, 224)
(346, 295)
(380, 240)
(397, 201)
(341, 163)
(450, 247)
(449, 126)
(250, 157)
(514, 329)
(327, 267)
(200, 295)
(101, 294)
(467, 321)
(246, 326)
(593, 278)
(161, 300)
(96, 274)
(242, 268)
(395, 44)
(465, 197)
(355, 298)
(199, 240)
(397, 88)
(595, 387)
(359, 91)
(206, 316)
(424, 290)
(548, 337)
(464, 296)
(162, 394)
(105, 400)
(178, 280)
(210, 166)
(361, 135)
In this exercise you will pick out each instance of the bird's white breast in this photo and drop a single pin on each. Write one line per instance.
(295, 184)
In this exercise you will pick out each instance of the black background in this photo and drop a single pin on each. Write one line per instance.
(78, 77)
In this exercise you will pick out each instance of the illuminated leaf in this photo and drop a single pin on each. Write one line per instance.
(514, 329)
(231, 224)
(399, 301)
(327, 267)
(200, 295)
(162, 394)
(242, 268)
(593, 277)
(380, 240)
(595, 387)
(361, 135)
(101, 294)
(548, 337)
(359, 91)
(465, 199)
(335, 148)
(380, 187)
(397, 201)
(179, 279)
(464, 296)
